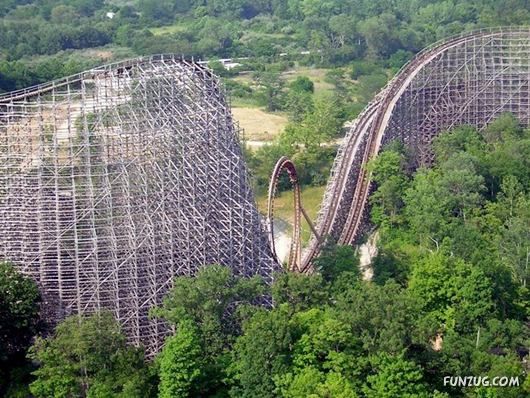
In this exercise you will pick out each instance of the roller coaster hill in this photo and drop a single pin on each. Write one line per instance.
(468, 79)
(118, 179)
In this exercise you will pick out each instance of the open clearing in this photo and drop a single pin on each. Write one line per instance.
(258, 124)
(167, 30)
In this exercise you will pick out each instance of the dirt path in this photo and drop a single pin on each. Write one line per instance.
(367, 252)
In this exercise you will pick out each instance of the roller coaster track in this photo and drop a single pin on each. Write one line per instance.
(343, 209)
(295, 253)
(118, 179)
(296, 246)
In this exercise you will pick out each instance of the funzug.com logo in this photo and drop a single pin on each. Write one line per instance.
(481, 381)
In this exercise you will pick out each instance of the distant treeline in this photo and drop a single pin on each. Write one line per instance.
(335, 32)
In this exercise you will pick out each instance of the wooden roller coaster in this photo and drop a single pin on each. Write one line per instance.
(468, 79)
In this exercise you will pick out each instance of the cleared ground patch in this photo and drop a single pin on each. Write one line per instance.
(258, 124)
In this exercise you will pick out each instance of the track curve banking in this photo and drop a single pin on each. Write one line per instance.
(468, 79)
(118, 179)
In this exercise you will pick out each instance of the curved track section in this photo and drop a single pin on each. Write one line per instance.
(469, 79)
(295, 253)
(114, 181)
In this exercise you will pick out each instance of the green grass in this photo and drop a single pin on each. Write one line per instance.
(245, 78)
(283, 207)
(323, 89)
(238, 102)
(167, 30)
(317, 75)
(254, 34)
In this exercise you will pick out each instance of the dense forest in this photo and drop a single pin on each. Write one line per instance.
(41, 39)
(449, 292)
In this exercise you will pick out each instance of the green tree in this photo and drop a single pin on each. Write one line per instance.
(299, 104)
(490, 351)
(361, 68)
(271, 84)
(262, 161)
(180, 362)
(369, 85)
(336, 260)
(426, 208)
(19, 317)
(508, 146)
(380, 34)
(155, 9)
(319, 126)
(387, 171)
(311, 382)
(218, 68)
(215, 36)
(302, 84)
(63, 14)
(19, 311)
(504, 128)
(319, 44)
(215, 302)
(461, 184)
(299, 291)
(460, 139)
(262, 352)
(205, 299)
(384, 317)
(454, 295)
(324, 358)
(395, 376)
(514, 239)
(88, 356)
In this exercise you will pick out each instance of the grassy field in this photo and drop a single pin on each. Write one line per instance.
(316, 75)
(283, 207)
(258, 124)
(245, 78)
(237, 102)
(247, 35)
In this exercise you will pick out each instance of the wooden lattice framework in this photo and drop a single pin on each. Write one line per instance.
(115, 180)
(465, 80)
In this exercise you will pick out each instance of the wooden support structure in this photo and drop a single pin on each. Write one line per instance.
(469, 79)
(116, 180)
